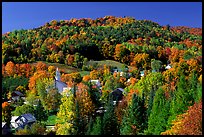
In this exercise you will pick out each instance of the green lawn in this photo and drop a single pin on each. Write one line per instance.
(108, 63)
(69, 69)
(64, 67)
(51, 120)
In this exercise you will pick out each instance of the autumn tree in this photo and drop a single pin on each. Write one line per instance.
(33, 79)
(188, 123)
(48, 94)
(65, 123)
(121, 53)
(6, 113)
(141, 61)
(41, 66)
(10, 68)
(86, 106)
(86, 78)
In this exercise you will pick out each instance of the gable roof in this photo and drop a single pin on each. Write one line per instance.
(96, 82)
(17, 93)
(117, 94)
(29, 117)
(60, 85)
(3, 124)
(13, 118)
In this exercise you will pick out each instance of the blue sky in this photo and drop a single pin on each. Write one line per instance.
(28, 15)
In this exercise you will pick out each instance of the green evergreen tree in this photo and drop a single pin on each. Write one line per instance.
(110, 123)
(181, 99)
(150, 102)
(199, 92)
(160, 112)
(96, 129)
(79, 123)
(193, 83)
(90, 126)
(135, 118)
(40, 113)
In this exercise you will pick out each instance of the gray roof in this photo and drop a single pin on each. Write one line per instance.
(121, 89)
(117, 94)
(60, 85)
(18, 93)
(27, 117)
(3, 124)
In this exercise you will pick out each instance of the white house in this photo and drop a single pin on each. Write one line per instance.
(96, 82)
(23, 120)
(13, 122)
(168, 66)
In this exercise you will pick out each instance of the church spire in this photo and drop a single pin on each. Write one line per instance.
(57, 77)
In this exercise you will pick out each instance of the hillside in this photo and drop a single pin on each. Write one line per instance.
(93, 39)
(115, 76)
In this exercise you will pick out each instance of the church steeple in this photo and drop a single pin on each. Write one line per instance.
(57, 77)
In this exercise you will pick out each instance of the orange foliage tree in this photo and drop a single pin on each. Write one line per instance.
(189, 123)
(10, 68)
(86, 78)
(37, 75)
(86, 106)
(41, 66)
(141, 60)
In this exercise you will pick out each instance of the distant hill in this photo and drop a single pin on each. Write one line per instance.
(73, 41)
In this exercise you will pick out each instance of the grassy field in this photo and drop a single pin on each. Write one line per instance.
(69, 69)
(108, 63)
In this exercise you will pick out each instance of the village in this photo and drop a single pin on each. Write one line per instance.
(19, 122)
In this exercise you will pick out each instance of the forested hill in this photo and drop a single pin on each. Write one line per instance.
(60, 41)
(123, 77)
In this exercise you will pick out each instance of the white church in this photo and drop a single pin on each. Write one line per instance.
(61, 86)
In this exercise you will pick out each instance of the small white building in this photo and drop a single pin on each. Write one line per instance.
(13, 122)
(58, 84)
(96, 82)
(168, 66)
(23, 120)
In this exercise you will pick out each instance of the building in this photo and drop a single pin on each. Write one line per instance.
(117, 94)
(142, 73)
(96, 82)
(168, 66)
(16, 95)
(13, 122)
(23, 120)
(58, 84)
(5, 129)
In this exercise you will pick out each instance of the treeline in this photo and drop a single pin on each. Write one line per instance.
(66, 41)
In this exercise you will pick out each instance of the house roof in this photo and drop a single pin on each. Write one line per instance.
(117, 94)
(29, 117)
(13, 119)
(60, 85)
(96, 82)
(3, 124)
(121, 89)
(168, 66)
(17, 93)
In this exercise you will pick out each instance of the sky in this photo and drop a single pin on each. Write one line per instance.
(28, 15)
